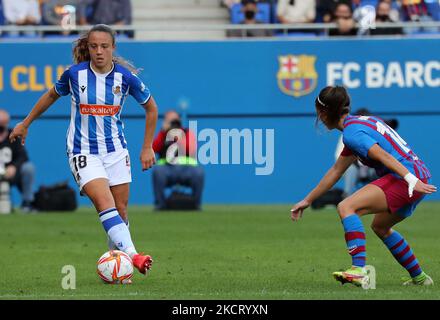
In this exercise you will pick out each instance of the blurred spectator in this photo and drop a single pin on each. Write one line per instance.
(296, 11)
(230, 3)
(383, 11)
(250, 10)
(343, 16)
(2, 17)
(110, 12)
(394, 12)
(21, 12)
(325, 9)
(62, 13)
(183, 172)
(416, 11)
(14, 163)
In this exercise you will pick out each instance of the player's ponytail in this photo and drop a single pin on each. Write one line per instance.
(331, 104)
(81, 49)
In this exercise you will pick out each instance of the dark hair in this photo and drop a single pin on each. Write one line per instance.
(334, 102)
(81, 49)
(343, 3)
(393, 123)
(363, 112)
(246, 2)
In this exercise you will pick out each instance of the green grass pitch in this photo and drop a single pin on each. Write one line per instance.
(223, 252)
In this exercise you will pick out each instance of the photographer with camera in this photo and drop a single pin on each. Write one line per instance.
(181, 149)
(15, 167)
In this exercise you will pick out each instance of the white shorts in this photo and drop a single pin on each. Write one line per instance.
(113, 166)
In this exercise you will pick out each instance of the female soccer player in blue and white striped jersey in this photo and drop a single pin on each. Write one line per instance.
(99, 83)
(404, 181)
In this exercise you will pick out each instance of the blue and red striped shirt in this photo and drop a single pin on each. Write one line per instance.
(362, 132)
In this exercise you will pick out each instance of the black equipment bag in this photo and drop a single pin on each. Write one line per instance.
(180, 201)
(331, 197)
(57, 197)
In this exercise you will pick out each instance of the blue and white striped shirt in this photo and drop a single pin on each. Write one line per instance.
(97, 101)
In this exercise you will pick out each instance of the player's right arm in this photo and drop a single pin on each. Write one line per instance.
(327, 182)
(45, 101)
(61, 88)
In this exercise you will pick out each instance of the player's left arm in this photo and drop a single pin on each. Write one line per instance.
(148, 158)
(143, 96)
(378, 154)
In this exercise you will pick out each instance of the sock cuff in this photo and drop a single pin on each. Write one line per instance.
(392, 239)
(352, 223)
(111, 218)
(106, 211)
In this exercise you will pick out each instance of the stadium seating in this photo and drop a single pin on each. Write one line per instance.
(296, 35)
(2, 17)
(17, 36)
(369, 2)
(433, 9)
(263, 14)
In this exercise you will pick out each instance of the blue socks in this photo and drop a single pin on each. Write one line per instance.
(403, 253)
(355, 239)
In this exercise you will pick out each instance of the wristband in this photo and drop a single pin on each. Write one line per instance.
(410, 178)
(412, 181)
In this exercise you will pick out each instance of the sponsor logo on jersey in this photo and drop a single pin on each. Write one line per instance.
(297, 75)
(98, 110)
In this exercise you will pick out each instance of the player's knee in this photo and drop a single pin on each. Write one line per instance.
(379, 230)
(345, 209)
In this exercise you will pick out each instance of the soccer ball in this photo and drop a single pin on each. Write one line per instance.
(115, 267)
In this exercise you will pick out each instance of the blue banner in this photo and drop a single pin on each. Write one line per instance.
(242, 85)
(236, 77)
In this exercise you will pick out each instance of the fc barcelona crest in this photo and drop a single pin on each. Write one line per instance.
(297, 75)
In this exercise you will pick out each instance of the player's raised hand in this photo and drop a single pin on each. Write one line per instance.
(148, 158)
(19, 131)
(423, 188)
(298, 209)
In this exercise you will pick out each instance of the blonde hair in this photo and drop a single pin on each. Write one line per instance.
(81, 49)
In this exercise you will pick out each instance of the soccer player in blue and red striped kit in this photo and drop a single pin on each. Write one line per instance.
(403, 182)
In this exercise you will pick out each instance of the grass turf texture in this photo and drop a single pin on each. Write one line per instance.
(224, 252)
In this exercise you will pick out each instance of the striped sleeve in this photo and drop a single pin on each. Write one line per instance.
(138, 90)
(358, 140)
(62, 86)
